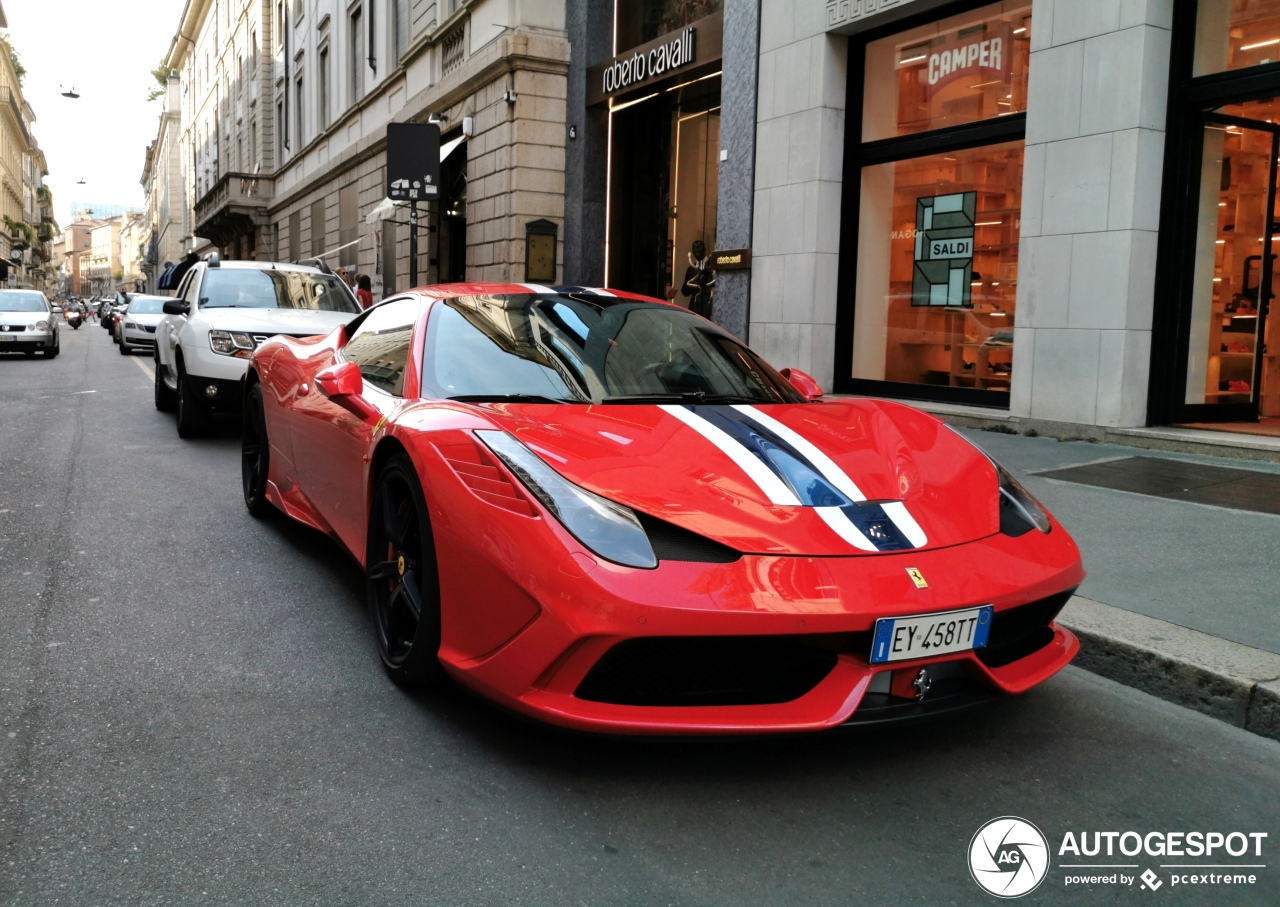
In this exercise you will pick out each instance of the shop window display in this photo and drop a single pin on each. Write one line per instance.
(956, 329)
(640, 21)
(956, 71)
(939, 220)
(1236, 34)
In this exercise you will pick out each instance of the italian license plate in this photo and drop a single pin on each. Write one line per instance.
(926, 635)
(7, 337)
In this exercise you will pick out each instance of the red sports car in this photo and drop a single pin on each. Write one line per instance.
(603, 511)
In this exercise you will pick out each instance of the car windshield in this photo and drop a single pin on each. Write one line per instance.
(589, 349)
(256, 288)
(20, 301)
(147, 305)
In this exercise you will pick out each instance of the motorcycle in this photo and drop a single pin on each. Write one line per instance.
(74, 318)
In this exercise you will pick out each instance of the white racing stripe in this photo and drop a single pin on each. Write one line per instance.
(539, 289)
(894, 510)
(897, 511)
(774, 488)
(843, 527)
(826, 466)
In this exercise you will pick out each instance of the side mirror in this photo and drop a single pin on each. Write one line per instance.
(341, 380)
(807, 387)
(176, 307)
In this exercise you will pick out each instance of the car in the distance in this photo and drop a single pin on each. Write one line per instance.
(222, 311)
(28, 323)
(138, 322)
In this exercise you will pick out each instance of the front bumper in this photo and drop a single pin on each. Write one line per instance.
(138, 337)
(563, 615)
(26, 341)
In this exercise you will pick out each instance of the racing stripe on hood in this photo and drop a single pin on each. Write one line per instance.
(791, 471)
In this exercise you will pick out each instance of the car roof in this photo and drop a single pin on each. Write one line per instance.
(453, 290)
(263, 266)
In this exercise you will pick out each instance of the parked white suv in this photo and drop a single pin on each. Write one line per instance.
(222, 311)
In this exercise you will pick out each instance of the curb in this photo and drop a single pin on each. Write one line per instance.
(1226, 680)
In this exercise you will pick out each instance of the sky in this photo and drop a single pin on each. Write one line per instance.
(106, 50)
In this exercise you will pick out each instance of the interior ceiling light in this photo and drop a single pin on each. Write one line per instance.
(1261, 44)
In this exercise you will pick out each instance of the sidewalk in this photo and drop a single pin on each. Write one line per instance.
(1182, 599)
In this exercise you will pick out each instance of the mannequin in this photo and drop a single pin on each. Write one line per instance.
(699, 281)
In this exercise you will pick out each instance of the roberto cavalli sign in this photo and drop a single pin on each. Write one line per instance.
(944, 249)
(651, 63)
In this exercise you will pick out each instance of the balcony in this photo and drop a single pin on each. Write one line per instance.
(236, 205)
(16, 110)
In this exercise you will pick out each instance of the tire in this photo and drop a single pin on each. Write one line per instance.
(57, 348)
(402, 579)
(125, 349)
(164, 396)
(255, 454)
(193, 416)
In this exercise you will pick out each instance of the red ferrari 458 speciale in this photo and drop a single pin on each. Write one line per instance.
(604, 512)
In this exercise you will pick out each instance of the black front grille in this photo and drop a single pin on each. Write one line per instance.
(707, 671)
(671, 543)
(1018, 632)
(12, 327)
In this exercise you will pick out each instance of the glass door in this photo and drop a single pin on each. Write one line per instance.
(1230, 372)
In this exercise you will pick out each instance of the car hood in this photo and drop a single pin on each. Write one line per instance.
(820, 479)
(143, 319)
(298, 322)
(23, 317)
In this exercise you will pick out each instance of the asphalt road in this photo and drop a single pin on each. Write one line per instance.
(191, 712)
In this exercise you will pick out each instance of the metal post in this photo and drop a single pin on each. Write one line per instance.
(413, 244)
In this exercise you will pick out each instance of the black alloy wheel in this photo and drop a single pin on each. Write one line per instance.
(255, 454)
(164, 396)
(402, 579)
(193, 416)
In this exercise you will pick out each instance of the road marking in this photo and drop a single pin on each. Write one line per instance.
(145, 368)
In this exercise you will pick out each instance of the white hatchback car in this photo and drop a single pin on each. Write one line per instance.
(28, 323)
(223, 310)
(139, 321)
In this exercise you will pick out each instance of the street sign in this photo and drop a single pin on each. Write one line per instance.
(413, 161)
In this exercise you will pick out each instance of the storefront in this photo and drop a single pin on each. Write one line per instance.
(936, 173)
(661, 90)
(1216, 358)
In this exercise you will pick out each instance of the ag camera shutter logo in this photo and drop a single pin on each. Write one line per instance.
(1008, 857)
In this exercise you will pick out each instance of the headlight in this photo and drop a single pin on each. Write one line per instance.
(39, 326)
(610, 530)
(1019, 510)
(230, 343)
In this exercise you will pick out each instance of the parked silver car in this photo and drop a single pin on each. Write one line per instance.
(27, 323)
(138, 322)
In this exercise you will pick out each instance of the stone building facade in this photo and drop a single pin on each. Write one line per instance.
(284, 121)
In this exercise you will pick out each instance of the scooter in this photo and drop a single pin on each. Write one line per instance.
(74, 318)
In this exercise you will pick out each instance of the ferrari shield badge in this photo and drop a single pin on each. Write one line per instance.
(917, 577)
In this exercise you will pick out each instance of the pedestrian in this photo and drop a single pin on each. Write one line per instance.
(345, 277)
(365, 291)
(699, 281)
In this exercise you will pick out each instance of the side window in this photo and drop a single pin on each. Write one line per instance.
(381, 344)
(187, 293)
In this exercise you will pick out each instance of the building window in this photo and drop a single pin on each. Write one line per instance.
(295, 236)
(318, 231)
(279, 25)
(253, 51)
(400, 28)
(357, 55)
(298, 119)
(348, 226)
(1236, 34)
(279, 133)
(933, 263)
(322, 87)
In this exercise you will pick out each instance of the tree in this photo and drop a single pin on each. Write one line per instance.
(161, 74)
(18, 69)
